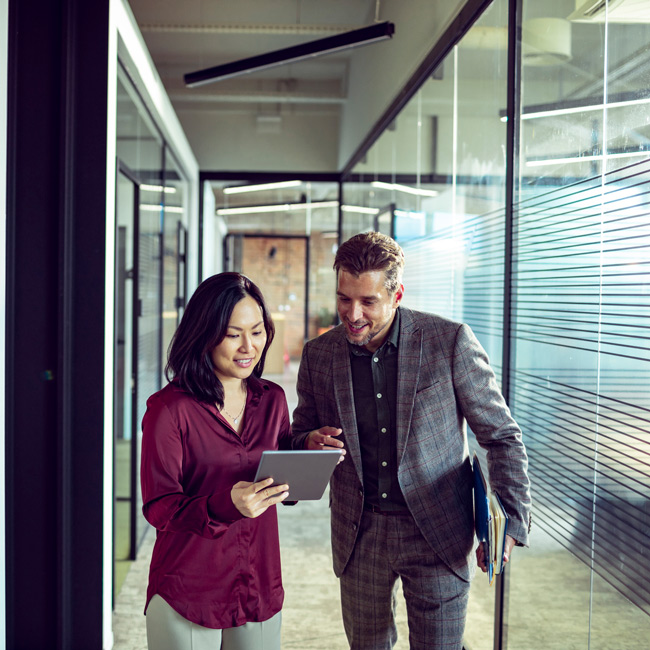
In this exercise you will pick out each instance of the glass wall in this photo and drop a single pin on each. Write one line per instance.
(283, 236)
(150, 289)
(441, 167)
(174, 250)
(581, 368)
(578, 327)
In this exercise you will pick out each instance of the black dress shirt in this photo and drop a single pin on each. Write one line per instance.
(374, 377)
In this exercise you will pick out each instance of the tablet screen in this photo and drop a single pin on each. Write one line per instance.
(305, 472)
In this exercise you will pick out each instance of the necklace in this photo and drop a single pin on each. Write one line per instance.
(236, 419)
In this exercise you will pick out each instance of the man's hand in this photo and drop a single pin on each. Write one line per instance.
(507, 550)
(324, 438)
(253, 499)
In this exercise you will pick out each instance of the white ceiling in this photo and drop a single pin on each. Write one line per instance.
(186, 36)
(294, 112)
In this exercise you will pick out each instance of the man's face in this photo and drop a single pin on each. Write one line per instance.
(365, 307)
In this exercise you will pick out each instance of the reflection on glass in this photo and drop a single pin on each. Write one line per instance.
(441, 168)
(140, 151)
(124, 505)
(173, 242)
(581, 312)
(304, 211)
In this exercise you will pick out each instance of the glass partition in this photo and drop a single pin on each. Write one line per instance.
(441, 166)
(174, 262)
(150, 291)
(283, 235)
(579, 373)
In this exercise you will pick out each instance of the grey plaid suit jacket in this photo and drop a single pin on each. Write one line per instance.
(444, 381)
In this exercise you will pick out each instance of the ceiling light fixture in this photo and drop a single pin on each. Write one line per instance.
(293, 207)
(359, 209)
(403, 188)
(576, 108)
(158, 188)
(149, 207)
(408, 214)
(284, 207)
(336, 43)
(240, 189)
(581, 159)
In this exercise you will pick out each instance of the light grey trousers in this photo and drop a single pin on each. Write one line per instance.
(168, 630)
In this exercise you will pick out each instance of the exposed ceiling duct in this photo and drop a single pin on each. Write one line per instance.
(615, 11)
(545, 41)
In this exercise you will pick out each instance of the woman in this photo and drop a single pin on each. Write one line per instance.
(214, 579)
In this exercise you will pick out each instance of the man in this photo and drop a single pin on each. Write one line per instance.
(395, 387)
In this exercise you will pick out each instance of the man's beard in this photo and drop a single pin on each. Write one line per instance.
(366, 339)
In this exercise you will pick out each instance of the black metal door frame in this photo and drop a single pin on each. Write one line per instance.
(134, 276)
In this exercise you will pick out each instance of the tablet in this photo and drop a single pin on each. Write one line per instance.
(305, 472)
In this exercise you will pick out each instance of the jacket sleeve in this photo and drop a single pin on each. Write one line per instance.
(305, 417)
(489, 417)
(165, 504)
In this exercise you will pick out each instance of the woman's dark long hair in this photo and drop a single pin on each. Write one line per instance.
(203, 326)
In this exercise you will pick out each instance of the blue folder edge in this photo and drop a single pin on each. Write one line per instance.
(482, 513)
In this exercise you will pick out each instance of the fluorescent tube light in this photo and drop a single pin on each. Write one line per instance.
(336, 43)
(580, 159)
(409, 215)
(284, 207)
(359, 209)
(240, 189)
(403, 188)
(149, 207)
(158, 188)
(575, 107)
(583, 109)
(294, 207)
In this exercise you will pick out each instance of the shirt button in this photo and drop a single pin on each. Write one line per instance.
(378, 395)
(383, 429)
(376, 360)
(384, 496)
(384, 463)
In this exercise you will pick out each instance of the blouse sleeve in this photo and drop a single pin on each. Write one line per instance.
(284, 433)
(165, 504)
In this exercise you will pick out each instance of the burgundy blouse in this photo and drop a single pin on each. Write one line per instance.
(214, 566)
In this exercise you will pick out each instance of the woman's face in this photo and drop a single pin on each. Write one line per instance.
(240, 351)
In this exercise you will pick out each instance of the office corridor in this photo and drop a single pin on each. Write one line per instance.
(311, 613)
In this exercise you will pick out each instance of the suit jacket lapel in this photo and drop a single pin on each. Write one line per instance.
(408, 374)
(344, 396)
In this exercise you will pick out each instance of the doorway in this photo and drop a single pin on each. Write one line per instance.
(125, 439)
(279, 266)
